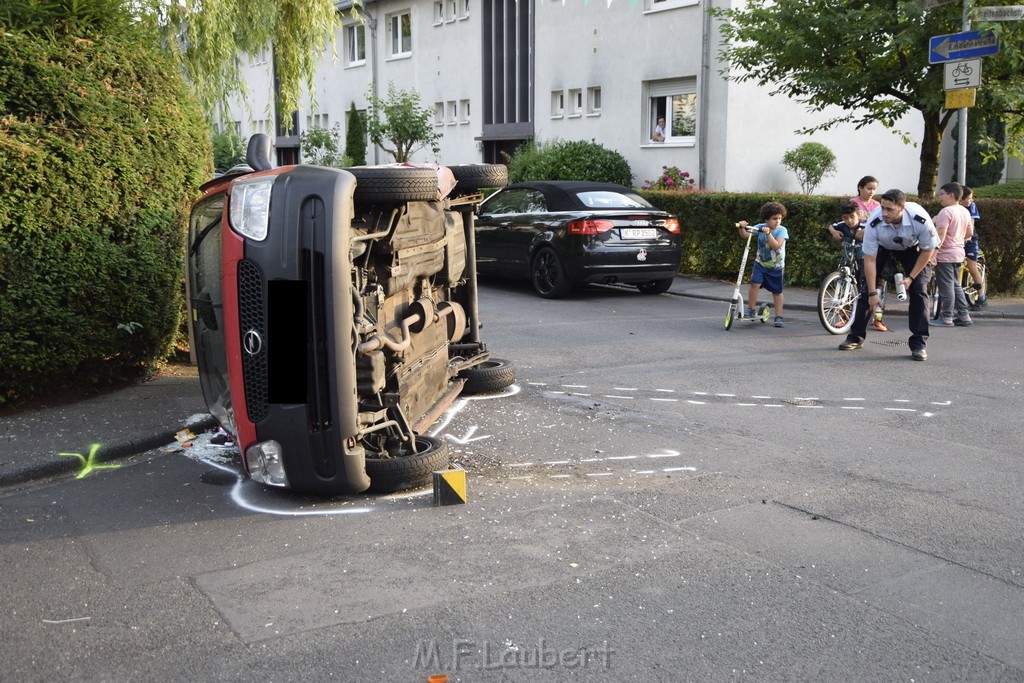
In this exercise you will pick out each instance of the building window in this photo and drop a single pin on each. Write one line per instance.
(438, 12)
(575, 102)
(557, 104)
(438, 113)
(452, 11)
(463, 111)
(400, 34)
(355, 45)
(453, 113)
(593, 101)
(463, 9)
(317, 121)
(676, 100)
(659, 5)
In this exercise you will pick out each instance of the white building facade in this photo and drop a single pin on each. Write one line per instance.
(497, 72)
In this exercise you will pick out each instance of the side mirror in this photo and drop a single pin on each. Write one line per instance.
(257, 154)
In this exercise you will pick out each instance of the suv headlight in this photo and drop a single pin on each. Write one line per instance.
(250, 207)
(263, 460)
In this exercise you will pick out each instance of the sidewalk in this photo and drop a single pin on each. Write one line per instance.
(148, 416)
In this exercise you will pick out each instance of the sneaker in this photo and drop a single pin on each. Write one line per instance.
(963, 322)
(748, 312)
(979, 305)
(778, 321)
(850, 345)
(879, 325)
(944, 322)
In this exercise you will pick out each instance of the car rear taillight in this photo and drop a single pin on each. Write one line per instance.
(589, 226)
(672, 225)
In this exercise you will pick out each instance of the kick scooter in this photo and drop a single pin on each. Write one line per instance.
(736, 307)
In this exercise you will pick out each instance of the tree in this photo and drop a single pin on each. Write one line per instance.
(871, 59)
(355, 137)
(401, 121)
(811, 162)
(322, 147)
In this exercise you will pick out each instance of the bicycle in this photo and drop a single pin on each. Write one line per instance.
(971, 288)
(838, 294)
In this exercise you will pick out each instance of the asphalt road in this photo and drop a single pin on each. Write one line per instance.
(656, 499)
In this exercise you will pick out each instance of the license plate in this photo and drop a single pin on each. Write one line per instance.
(638, 233)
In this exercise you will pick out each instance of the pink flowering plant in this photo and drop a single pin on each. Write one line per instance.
(671, 178)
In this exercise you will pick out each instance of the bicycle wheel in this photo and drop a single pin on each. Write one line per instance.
(971, 289)
(933, 294)
(837, 301)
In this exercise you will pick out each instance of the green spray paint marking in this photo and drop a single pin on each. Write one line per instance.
(89, 464)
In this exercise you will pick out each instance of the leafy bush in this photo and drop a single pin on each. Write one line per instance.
(671, 178)
(1013, 190)
(811, 162)
(322, 147)
(401, 121)
(228, 149)
(101, 149)
(711, 247)
(568, 160)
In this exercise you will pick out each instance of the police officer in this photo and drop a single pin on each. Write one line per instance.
(899, 236)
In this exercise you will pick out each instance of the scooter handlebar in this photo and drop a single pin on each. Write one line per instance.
(752, 230)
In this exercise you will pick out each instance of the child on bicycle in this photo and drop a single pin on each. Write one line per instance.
(972, 249)
(769, 265)
(850, 229)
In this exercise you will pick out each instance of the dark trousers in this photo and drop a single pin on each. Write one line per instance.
(889, 263)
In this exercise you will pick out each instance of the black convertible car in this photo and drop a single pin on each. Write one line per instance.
(566, 233)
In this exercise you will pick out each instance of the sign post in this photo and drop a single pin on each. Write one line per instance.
(965, 45)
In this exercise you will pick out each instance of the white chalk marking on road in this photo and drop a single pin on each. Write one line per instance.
(901, 400)
(763, 398)
(941, 403)
(575, 386)
(576, 393)
(774, 405)
(614, 396)
(810, 406)
(726, 395)
(592, 460)
(747, 405)
(680, 469)
(696, 403)
(699, 393)
(853, 407)
(537, 384)
(600, 474)
(670, 400)
(520, 464)
(666, 391)
(806, 398)
(903, 410)
(625, 389)
(557, 462)
(853, 399)
(622, 457)
(667, 454)
(559, 476)
(644, 472)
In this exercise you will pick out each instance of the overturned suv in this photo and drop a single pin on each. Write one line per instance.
(335, 317)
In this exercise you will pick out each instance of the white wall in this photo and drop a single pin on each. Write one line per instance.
(617, 46)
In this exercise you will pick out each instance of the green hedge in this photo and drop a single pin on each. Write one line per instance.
(101, 148)
(712, 247)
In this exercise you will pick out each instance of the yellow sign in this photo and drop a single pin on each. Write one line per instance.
(960, 99)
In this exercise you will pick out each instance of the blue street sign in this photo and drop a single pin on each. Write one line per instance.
(957, 46)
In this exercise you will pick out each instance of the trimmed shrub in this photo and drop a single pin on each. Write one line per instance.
(355, 137)
(101, 149)
(712, 247)
(568, 160)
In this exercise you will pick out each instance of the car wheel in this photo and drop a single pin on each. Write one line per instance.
(491, 375)
(655, 286)
(549, 276)
(391, 185)
(475, 177)
(407, 469)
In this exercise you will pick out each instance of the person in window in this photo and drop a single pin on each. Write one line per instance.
(659, 130)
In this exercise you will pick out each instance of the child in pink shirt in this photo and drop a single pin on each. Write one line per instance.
(954, 225)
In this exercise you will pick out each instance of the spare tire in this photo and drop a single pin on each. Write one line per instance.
(393, 184)
(489, 376)
(475, 177)
(408, 470)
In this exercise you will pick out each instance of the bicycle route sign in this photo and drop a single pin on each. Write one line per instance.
(958, 46)
(965, 73)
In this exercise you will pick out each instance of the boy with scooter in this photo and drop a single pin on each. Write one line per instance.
(770, 261)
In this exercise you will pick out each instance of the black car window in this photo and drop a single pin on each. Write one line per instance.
(607, 199)
(515, 201)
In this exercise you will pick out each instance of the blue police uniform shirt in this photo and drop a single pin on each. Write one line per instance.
(914, 229)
